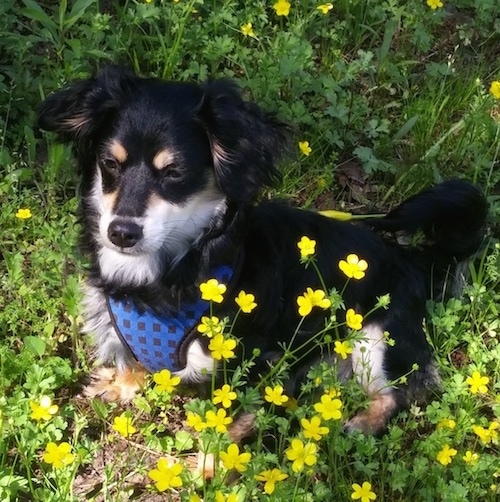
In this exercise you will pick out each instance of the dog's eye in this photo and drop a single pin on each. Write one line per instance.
(171, 171)
(110, 165)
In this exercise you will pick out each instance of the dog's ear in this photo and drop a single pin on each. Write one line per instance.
(246, 142)
(78, 111)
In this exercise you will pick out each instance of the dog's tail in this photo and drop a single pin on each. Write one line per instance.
(451, 215)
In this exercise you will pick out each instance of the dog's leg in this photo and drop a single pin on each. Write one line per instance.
(368, 367)
(373, 420)
(112, 385)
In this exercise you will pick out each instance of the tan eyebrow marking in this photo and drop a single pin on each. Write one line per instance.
(163, 158)
(118, 151)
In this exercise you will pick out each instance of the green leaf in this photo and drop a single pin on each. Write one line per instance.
(183, 441)
(35, 345)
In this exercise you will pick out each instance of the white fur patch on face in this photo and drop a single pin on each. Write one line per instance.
(368, 360)
(199, 365)
(168, 230)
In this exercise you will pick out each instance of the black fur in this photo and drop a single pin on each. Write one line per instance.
(217, 135)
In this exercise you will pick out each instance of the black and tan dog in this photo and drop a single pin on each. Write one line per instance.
(170, 174)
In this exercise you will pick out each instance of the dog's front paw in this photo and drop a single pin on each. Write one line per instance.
(374, 419)
(112, 385)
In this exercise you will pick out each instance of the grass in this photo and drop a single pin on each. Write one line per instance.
(391, 96)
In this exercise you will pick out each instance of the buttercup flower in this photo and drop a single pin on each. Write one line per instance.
(434, 4)
(305, 148)
(247, 30)
(353, 267)
(210, 326)
(233, 459)
(246, 302)
(23, 214)
(212, 291)
(329, 407)
(312, 428)
(470, 458)
(219, 421)
(495, 88)
(44, 409)
(58, 455)
(220, 497)
(222, 348)
(166, 475)
(270, 477)
(325, 7)
(123, 425)
(363, 492)
(300, 454)
(275, 395)
(282, 7)
(477, 383)
(353, 320)
(224, 395)
(311, 299)
(489, 435)
(306, 246)
(194, 421)
(447, 423)
(445, 456)
(165, 382)
(343, 349)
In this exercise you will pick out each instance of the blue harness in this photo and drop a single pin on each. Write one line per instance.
(155, 339)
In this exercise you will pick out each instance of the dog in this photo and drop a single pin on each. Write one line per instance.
(171, 175)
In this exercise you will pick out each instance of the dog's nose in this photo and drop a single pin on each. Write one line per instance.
(124, 234)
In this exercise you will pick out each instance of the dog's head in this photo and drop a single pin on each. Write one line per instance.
(159, 159)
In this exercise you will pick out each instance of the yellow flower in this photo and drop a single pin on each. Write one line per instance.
(270, 478)
(363, 492)
(305, 148)
(23, 214)
(311, 299)
(218, 421)
(353, 267)
(445, 456)
(312, 428)
(330, 407)
(470, 458)
(212, 291)
(353, 320)
(325, 7)
(225, 396)
(275, 395)
(300, 454)
(222, 348)
(247, 30)
(166, 475)
(165, 382)
(233, 459)
(194, 421)
(282, 7)
(447, 423)
(478, 383)
(210, 326)
(43, 410)
(58, 455)
(434, 4)
(343, 349)
(495, 88)
(489, 435)
(306, 246)
(123, 425)
(220, 497)
(246, 302)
